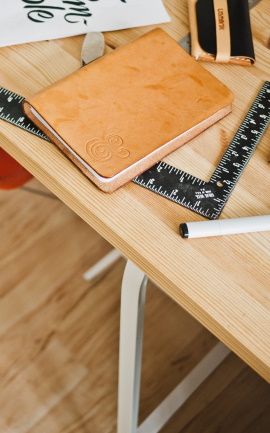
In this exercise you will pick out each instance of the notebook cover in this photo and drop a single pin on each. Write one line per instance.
(121, 114)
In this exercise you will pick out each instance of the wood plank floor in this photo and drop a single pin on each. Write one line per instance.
(59, 336)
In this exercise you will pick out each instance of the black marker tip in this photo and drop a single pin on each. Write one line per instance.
(183, 230)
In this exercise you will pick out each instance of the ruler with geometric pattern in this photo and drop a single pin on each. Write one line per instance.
(205, 198)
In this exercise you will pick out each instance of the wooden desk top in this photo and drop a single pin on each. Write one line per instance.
(222, 282)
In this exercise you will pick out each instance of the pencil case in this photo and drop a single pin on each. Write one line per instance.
(221, 31)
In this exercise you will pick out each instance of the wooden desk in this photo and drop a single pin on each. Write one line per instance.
(225, 282)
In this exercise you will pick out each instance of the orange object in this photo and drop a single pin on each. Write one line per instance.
(12, 174)
(119, 115)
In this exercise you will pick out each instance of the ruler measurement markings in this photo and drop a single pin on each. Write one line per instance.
(201, 195)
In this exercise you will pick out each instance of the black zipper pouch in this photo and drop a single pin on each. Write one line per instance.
(221, 31)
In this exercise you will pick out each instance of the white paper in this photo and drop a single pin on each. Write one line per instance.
(34, 20)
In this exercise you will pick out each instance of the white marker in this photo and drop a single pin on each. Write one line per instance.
(234, 226)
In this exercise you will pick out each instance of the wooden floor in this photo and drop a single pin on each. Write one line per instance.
(59, 337)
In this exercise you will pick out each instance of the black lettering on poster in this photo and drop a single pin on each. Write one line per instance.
(74, 11)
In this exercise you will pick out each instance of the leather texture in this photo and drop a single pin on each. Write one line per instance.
(221, 31)
(223, 35)
(127, 110)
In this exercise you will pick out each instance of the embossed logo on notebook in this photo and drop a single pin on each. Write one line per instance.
(104, 148)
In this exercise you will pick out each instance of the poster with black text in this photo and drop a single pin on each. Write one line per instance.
(34, 20)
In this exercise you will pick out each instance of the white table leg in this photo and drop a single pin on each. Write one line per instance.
(131, 336)
(167, 408)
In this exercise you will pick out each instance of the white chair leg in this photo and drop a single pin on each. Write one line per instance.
(102, 265)
(131, 337)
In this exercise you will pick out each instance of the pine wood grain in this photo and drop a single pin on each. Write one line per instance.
(224, 283)
(59, 337)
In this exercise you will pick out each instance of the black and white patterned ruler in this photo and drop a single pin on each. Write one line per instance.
(209, 198)
(205, 198)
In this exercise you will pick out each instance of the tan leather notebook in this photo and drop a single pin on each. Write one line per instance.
(119, 115)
